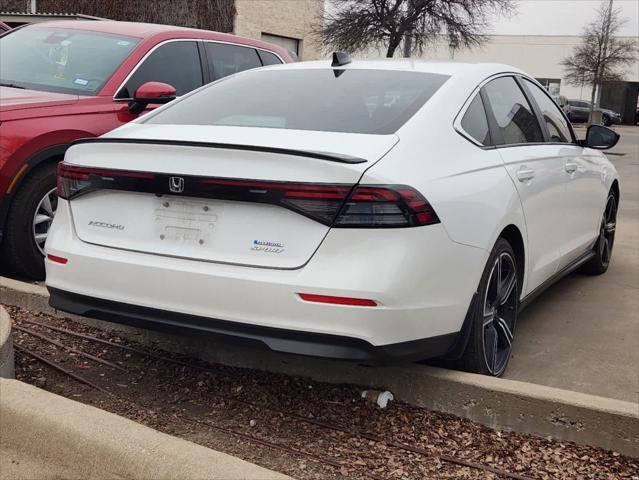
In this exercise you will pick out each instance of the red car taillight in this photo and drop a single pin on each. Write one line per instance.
(338, 205)
(72, 181)
(389, 206)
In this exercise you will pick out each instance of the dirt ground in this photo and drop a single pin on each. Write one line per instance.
(302, 428)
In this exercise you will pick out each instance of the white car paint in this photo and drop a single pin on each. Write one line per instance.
(422, 278)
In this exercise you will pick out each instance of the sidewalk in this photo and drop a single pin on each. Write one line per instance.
(43, 435)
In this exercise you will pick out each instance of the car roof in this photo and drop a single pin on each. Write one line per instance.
(131, 29)
(449, 68)
(149, 30)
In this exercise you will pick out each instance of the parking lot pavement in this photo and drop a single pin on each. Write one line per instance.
(583, 333)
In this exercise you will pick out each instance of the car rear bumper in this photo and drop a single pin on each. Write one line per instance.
(421, 281)
(278, 340)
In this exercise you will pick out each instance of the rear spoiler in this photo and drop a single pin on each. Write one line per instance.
(328, 156)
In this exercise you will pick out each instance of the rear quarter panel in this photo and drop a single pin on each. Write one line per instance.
(468, 186)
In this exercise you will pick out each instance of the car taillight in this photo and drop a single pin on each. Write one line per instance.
(336, 205)
(320, 202)
(388, 206)
(72, 181)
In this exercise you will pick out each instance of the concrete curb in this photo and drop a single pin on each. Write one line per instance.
(48, 436)
(498, 403)
(7, 369)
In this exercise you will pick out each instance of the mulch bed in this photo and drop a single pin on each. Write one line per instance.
(247, 413)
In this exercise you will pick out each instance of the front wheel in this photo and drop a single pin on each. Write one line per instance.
(32, 211)
(495, 314)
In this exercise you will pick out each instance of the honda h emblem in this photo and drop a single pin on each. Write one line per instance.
(176, 184)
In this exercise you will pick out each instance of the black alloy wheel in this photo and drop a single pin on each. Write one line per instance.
(499, 314)
(603, 248)
(495, 314)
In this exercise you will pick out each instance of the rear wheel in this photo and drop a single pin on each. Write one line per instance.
(28, 223)
(603, 248)
(495, 316)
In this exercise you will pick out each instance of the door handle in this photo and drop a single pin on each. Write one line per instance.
(525, 174)
(571, 167)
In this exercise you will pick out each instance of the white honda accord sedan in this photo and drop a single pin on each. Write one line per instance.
(368, 210)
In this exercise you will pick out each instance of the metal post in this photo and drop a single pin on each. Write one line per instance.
(34, 6)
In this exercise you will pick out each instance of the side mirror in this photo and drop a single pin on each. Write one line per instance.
(600, 138)
(151, 92)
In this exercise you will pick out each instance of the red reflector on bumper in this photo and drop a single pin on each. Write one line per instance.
(359, 302)
(55, 259)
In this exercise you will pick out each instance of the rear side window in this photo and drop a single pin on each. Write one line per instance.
(319, 99)
(229, 59)
(175, 63)
(514, 115)
(555, 122)
(269, 58)
(475, 123)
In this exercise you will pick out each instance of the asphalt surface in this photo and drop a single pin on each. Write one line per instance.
(582, 334)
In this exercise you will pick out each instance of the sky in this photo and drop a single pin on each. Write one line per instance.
(562, 17)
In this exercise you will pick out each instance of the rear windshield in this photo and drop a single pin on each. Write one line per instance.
(353, 101)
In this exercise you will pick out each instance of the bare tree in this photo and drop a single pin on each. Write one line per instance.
(356, 25)
(602, 56)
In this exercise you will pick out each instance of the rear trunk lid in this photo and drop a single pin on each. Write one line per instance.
(201, 223)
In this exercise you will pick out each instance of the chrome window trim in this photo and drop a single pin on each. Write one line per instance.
(143, 59)
(460, 115)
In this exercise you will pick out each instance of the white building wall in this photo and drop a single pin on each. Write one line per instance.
(538, 55)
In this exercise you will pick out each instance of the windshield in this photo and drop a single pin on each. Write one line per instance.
(61, 60)
(353, 101)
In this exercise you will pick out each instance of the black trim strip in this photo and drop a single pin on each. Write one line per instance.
(328, 156)
(233, 189)
(279, 340)
(526, 301)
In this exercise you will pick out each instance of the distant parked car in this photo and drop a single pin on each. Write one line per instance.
(64, 80)
(579, 110)
(4, 27)
(366, 211)
(561, 101)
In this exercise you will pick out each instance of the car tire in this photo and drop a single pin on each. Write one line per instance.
(599, 264)
(606, 121)
(19, 248)
(495, 314)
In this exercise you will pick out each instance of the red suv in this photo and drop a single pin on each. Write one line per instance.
(64, 80)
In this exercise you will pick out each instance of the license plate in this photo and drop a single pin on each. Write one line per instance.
(189, 222)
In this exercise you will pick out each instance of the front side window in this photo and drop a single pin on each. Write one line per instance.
(475, 123)
(351, 100)
(514, 115)
(229, 59)
(175, 63)
(555, 122)
(61, 60)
